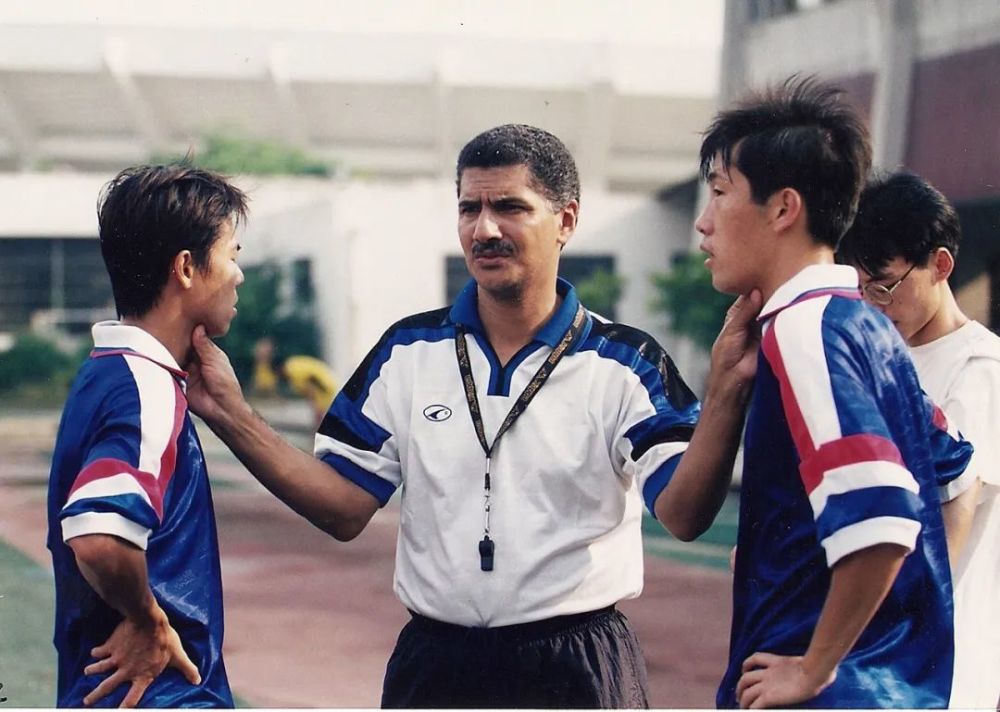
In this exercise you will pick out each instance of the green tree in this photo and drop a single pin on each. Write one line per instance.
(262, 312)
(234, 154)
(601, 291)
(33, 360)
(686, 295)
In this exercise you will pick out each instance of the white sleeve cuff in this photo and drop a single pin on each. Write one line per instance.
(105, 523)
(870, 532)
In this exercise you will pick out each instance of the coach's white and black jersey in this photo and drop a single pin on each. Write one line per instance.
(568, 480)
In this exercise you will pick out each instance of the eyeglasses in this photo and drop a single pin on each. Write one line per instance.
(881, 294)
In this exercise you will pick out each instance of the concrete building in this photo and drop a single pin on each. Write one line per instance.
(388, 109)
(926, 74)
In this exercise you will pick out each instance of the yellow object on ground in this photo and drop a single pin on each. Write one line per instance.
(312, 379)
(265, 379)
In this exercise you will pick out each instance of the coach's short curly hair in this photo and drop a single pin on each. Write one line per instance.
(553, 170)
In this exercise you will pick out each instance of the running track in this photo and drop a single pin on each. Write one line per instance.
(310, 621)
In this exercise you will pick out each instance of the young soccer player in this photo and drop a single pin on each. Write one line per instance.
(841, 585)
(131, 525)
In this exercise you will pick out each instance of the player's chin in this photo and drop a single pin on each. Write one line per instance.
(726, 286)
(217, 329)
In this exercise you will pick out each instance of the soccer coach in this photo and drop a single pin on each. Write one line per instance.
(525, 434)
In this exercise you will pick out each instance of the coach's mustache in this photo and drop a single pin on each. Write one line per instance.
(495, 247)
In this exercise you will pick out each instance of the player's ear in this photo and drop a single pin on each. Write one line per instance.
(183, 268)
(942, 262)
(784, 208)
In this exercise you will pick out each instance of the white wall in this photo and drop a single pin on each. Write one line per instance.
(379, 252)
(378, 248)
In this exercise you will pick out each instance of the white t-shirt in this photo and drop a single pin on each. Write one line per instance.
(961, 373)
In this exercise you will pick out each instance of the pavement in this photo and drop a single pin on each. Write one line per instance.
(310, 622)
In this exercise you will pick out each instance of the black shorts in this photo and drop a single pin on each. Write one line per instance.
(586, 660)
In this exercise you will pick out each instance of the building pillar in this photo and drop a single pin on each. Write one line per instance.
(895, 55)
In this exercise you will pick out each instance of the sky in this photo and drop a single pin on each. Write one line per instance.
(658, 22)
(638, 38)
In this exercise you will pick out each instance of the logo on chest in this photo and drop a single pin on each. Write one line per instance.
(437, 413)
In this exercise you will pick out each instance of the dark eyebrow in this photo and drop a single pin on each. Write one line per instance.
(509, 202)
(469, 203)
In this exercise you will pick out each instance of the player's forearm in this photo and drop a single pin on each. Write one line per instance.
(690, 503)
(858, 585)
(116, 570)
(958, 514)
(309, 486)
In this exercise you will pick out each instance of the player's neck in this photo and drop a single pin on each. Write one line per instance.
(170, 330)
(511, 324)
(946, 319)
(790, 261)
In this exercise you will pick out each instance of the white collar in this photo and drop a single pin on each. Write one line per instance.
(115, 335)
(820, 277)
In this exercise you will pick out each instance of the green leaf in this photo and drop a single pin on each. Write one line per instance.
(686, 296)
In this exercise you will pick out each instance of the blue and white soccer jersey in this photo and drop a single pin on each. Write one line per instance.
(128, 463)
(842, 452)
(568, 479)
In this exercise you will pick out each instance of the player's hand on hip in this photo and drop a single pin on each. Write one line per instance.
(770, 680)
(136, 655)
(212, 389)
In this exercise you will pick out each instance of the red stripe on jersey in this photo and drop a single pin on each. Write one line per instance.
(168, 460)
(849, 450)
(793, 413)
(939, 419)
(843, 292)
(108, 467)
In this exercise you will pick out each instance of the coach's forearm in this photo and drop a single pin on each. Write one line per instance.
(309, 486)
(692, 499)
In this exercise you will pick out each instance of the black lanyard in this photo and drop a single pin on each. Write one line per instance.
(486, 546)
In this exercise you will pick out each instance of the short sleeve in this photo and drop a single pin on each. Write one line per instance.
(130, 458)
(657, 418)
(356, 436)
(860, 490)
(972, 407)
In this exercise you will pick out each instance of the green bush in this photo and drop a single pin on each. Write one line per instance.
(233, 153)
(686, 295)
(262, 312)
(32, 361)
(601, 291)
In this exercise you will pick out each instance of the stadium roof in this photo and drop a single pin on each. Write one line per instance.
(99, 95)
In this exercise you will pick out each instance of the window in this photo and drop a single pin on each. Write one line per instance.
(39, 274)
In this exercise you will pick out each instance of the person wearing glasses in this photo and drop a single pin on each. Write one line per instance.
(903, 244)
(841, 590)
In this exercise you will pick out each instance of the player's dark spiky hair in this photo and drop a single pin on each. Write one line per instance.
(802, 135)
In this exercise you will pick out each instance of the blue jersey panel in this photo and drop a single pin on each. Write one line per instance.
(97, 463)
(804, 489)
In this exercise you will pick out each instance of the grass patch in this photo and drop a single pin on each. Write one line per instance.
(27, 610)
